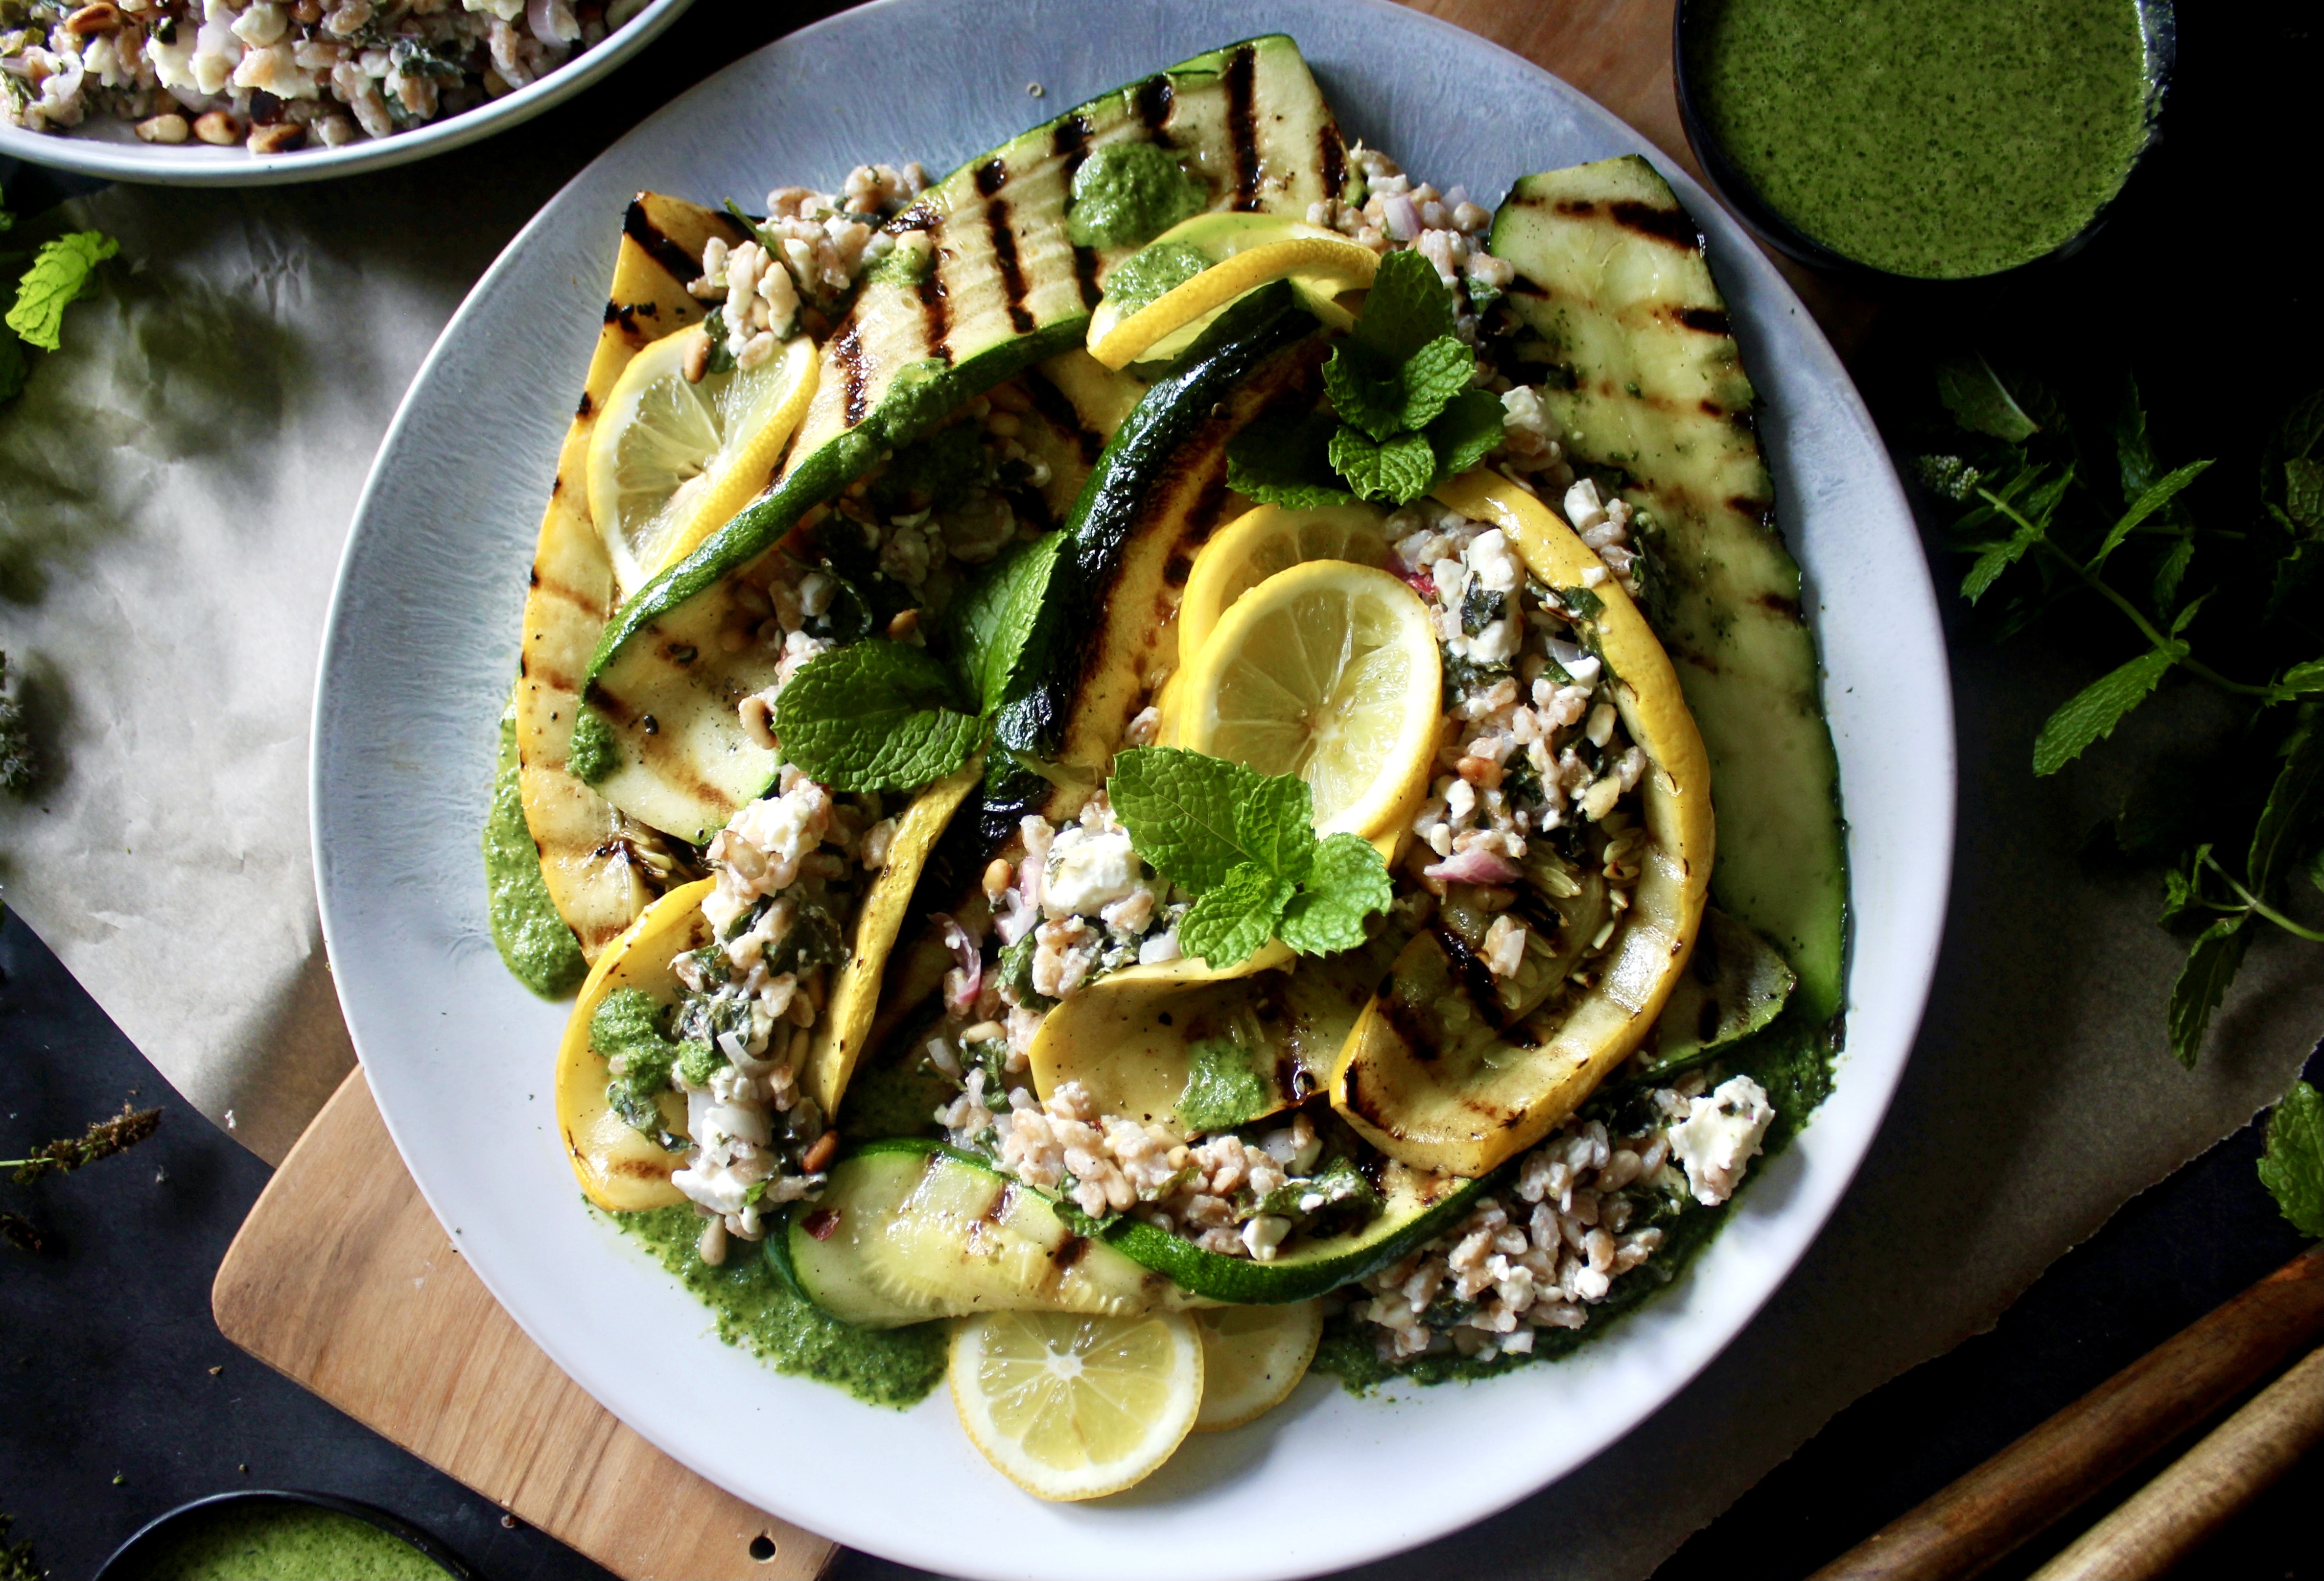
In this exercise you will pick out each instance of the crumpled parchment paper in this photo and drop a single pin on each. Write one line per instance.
(174, 491)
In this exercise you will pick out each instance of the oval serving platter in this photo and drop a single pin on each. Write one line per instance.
(422, 642)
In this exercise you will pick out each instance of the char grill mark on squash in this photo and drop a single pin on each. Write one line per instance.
(1335, 157)
(1061, 414)
(935, 303)
(1709, 320)
(1005, 258)
(1243, 124)
(1155, 98)
(1476, 978)
(847, 347)
(1664, 225)
(639, 226)
(990, 177)
(1071, 145)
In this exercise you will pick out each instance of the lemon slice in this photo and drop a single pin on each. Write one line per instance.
(1075, 1406)
(672, 459)
(1322, 263)
(1253, 1357)
(1328, 670)
(1259, 543)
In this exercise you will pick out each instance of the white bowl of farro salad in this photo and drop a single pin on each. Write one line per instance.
(1187, 779)
(229, 92)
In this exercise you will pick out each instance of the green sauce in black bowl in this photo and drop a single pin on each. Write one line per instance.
(1922, 139)
(273, 1535)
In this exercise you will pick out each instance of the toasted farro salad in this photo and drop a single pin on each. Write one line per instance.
(280, 74)
(1171, 761)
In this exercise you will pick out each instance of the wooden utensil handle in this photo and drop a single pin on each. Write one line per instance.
(2169, 1517)
(2052, 1469)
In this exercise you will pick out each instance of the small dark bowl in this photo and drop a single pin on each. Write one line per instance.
(129, 1561)
(2158, 23)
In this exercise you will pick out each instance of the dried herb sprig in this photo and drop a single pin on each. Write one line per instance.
(17, 1563)
(25, 1235)
(102, 1140)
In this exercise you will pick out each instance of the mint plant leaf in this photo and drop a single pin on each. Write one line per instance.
(2170, 571)
(1400, 469)
(1980, 403)
(988, 624)
(1348, 883)
(874, 716)
(2156, 495)
(1179, 808)
(1235, 916)
(1408, 306)
(2303, 492)
(1283, 459)
(59, 272)
(1222, 1091)
(2211, 964)
(1274, 824)
(2091, 714)
(1363, 393)
(1466, 432)
(1431, 377)
(2302, 681)
(2292, 1167)
(2294, 809)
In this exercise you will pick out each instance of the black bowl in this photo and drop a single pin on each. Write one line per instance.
(129, 1560)
(2158, 21)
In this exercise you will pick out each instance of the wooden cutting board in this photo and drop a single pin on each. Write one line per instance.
(342, 1279)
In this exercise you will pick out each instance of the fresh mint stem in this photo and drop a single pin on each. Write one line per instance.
(2175, 647)
(2257, 907)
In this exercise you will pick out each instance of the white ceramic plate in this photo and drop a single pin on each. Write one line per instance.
(422, 646)
(110, 147)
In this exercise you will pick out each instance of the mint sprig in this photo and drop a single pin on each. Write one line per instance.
(1244, 844)
(2292, 1167)
(875, 716)
(882, 716)
(1407, 415)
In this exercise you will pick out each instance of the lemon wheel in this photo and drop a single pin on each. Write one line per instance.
(1253, 1357)
(1328, 670)
(672, 458)
(1260, 542)
(1071, 1407)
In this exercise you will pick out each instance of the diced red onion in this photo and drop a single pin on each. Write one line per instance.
(1474, 865)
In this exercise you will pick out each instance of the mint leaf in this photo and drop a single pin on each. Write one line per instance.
(1468, 429)
(1996, 559)
(874, 716)
(2156, 495)
(1432, 376)
(1274, 824)
(59, 272)
(2211, 964)
(1408, 306)
(2091, 714)
(1222, 1091)
(1234, 917)
(1282, 459)
(2304, 680)
(1400, 469)
(2294, 808)
(1348, 883)
(2292, 1167)
(2303, 492)
(1363, 393)
(1180, 810)
(1980, 403)
(988, 624)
